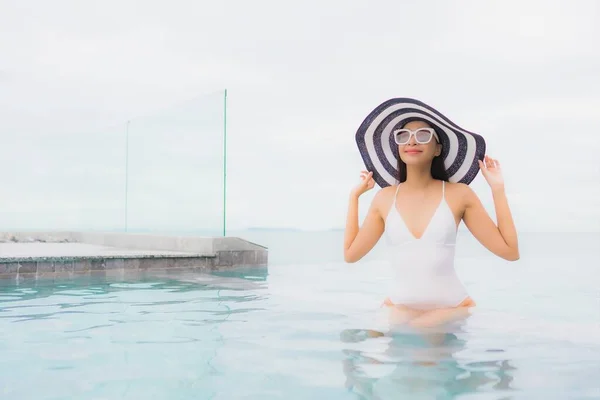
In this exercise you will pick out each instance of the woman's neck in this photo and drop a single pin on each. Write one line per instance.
(418, 176)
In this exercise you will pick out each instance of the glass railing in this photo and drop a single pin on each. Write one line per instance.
(164, 172)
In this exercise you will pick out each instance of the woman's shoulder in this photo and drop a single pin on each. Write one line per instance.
(458, 187)
(383, 196)
(385, 192)
(388, 189)
(459, 191)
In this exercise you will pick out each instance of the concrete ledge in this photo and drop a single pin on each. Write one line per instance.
(48, 253)
(41, 268)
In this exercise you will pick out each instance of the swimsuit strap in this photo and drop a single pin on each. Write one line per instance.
(393, 205)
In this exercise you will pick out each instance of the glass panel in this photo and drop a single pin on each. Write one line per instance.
(175, 169)
(159, 173)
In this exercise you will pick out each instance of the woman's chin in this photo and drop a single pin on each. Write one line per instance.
(415, 160)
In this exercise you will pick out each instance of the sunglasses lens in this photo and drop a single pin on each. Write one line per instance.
(402, 136)
(423, 135)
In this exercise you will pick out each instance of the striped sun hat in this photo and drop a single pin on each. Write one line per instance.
(460, 148)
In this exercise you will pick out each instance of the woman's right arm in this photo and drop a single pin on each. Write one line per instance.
(358, 241)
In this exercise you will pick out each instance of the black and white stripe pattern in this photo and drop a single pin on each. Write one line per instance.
(460, 148)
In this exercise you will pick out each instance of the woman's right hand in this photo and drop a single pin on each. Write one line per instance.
(366, 183)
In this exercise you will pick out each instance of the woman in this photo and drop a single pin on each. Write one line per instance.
(421, 203)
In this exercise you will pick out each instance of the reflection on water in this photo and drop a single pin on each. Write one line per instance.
(103, 282)
(148, 335)
(421, 365)
(253, 334)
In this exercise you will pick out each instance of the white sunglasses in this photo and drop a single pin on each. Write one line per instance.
(422, 135)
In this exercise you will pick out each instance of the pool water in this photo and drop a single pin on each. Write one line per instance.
(297, 331)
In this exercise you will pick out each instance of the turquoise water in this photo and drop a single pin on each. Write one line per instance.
(288, 331)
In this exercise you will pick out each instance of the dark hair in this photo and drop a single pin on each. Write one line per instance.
(438, 170)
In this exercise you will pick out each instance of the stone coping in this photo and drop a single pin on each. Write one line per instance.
(42, 253)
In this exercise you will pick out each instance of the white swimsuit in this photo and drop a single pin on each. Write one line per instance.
(424, 268)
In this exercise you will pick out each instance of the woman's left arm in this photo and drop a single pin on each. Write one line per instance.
(501, 239)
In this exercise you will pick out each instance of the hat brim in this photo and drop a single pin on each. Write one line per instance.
(461, 149)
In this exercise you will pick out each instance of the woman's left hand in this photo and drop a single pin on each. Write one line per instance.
(492, 173)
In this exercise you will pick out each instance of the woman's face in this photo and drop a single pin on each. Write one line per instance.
(413, 152)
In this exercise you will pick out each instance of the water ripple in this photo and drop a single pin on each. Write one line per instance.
(101, 339)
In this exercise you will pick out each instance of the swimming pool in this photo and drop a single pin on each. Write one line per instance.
(286, 332)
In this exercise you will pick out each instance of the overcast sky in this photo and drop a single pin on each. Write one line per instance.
(301, 77)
